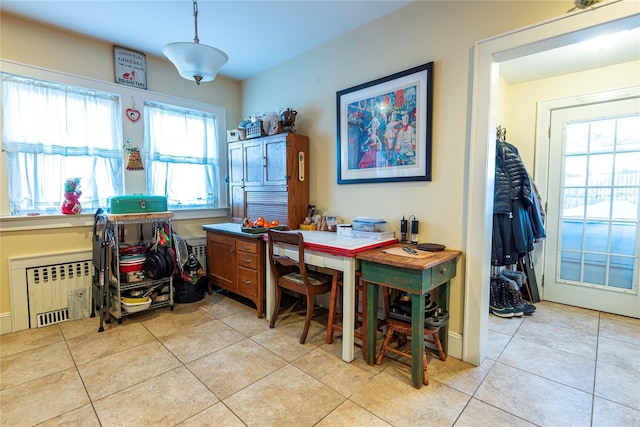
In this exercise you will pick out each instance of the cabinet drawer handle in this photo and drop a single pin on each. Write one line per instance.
(246, 261)
(245, 247)
(443, 270)
(246, 282)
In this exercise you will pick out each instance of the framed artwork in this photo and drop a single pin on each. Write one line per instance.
(384, 128)
(130, 67)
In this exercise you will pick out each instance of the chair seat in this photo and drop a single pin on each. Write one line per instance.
(315, 278)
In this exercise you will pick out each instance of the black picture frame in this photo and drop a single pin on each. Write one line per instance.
(385, 128)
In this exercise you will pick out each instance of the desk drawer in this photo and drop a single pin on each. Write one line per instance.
(443, 272)
(245, 246)
(247, 282)
(247, 260)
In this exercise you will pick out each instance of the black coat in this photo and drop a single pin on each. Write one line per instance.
(512, 180)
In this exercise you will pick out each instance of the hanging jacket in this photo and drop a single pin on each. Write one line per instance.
(512, 180)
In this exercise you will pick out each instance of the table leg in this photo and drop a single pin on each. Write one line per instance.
(417, 339)
(270, 290)
(348, 308)
(372, 320)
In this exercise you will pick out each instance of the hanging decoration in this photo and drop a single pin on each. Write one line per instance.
(132, 113)
(135, 161)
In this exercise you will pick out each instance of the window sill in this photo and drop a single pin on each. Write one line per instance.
(44, 222)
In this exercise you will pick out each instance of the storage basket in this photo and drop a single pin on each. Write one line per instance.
(254, 130)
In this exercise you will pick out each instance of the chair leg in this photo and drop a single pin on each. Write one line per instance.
(332, 312)
(307, 322)
(425, 373)
(436, 341)
(385, 344)
(276, 307)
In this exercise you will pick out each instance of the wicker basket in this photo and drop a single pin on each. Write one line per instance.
(254, 130)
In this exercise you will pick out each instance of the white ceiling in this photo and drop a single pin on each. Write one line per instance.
(261, 34)
(256, 35)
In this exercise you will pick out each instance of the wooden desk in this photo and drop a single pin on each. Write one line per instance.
(327, 249)
(416, 276)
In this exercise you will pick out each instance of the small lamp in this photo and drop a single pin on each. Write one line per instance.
(194, 60)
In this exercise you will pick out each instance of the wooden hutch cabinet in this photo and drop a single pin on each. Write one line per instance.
(268, 178)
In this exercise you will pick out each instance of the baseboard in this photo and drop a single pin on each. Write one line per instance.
(454, 345)
(5, 323)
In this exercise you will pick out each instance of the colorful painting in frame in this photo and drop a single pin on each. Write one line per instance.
(384, 128)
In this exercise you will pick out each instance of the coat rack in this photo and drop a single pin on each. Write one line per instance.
(501, 134)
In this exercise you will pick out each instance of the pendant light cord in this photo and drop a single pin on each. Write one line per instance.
(195, 20)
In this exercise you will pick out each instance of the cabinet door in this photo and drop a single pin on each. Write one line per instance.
(221, 257)
(275, 171)
(236, 181)
(254, 163)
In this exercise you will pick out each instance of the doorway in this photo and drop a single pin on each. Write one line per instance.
(593, 184)
(487, 55)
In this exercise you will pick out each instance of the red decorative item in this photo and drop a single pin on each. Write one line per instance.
(71, 205)
(133, 114)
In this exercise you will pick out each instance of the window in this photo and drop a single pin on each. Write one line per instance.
(182, 160)
(52, 132)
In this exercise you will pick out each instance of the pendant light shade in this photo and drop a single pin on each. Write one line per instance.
(195, 61)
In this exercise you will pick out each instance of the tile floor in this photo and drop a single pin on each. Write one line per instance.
(213, 363)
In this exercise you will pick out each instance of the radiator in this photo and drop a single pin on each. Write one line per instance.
(53, 288)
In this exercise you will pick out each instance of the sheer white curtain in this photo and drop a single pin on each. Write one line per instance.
(53, 132)
(181, 150)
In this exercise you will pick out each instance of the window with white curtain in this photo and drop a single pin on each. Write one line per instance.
(182, 160)
(52, 132)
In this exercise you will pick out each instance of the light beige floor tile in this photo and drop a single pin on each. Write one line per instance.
(349, 415)
(232, 368)
(29, 339)
(75, 328)
(506, 326)
(26, 366)
(626, 319)
(607, 414)
(246, 323)
(42, 399)
(118, 371)
(556, 365)
(220, 305)
(619, 353)
(399, 404)
(618, 385)
(331, 370)
(576, 318)
(86, 348)
(535, 399)
(84, 416)
(284, 344)
(479, 414)
(166, 399)
(181, 319)
(497, 341)
(273, 400)
(620, 330)
(539, 330)
(217, 415)
(457, 374)
(193, 343)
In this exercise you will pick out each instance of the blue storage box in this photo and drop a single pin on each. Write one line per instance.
(363, 223)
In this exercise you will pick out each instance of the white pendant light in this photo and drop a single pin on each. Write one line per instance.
(195, 61)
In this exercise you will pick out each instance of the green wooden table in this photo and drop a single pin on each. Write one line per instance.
(414, 274)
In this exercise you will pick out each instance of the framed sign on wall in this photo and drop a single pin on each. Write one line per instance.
(130, 67)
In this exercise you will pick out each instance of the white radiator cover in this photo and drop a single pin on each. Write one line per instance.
(53, 288)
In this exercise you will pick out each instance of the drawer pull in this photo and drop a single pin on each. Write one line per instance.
(245, 247)
(246, 261)
(246, 282)
(443, 270)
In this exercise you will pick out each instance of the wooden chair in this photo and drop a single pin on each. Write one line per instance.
(404, 329)
(335, 318)
(294, 276)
